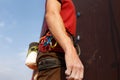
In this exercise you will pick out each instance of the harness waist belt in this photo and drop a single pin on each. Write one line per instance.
(48, 63)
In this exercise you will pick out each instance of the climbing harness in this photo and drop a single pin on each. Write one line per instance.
(46, 43)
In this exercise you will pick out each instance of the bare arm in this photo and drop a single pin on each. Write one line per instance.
(55, 23)
(57, 28)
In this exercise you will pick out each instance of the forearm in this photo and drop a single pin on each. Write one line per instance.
(57, 28)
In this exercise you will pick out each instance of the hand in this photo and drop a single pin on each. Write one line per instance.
(75, 69)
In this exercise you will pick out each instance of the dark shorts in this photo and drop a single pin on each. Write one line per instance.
(52, 74)
(51, 70)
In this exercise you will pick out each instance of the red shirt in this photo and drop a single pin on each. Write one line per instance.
(68, 15)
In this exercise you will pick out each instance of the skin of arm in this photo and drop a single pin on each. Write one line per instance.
(56, 26)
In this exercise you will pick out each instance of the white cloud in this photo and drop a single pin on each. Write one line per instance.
(22, 55)
(5, 69)
(2, 24)
(14, 71)
(7, 20)
(1, 36)
(8, 39)
(5, 42)
(5, 39)
(12, 67)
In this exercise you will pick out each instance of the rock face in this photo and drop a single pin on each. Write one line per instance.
(98, 24)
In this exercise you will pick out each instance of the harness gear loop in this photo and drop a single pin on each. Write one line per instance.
(53, 46)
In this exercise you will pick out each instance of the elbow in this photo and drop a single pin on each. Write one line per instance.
(51, 18)
(51, 15)
(48, 16)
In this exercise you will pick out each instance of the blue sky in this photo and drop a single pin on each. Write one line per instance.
(20, 24)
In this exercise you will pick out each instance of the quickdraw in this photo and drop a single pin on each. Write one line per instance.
(47, 40)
